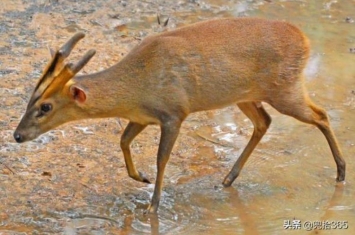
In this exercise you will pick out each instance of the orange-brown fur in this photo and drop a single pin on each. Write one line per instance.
(203, 66)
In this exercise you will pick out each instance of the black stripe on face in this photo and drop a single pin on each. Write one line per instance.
(46, 75)
(33, 101)
(48, 71)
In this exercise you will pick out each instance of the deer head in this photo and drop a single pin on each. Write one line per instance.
(54, 94)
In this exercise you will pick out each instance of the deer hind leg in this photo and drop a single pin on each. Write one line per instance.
(261, 121)
(302, 108)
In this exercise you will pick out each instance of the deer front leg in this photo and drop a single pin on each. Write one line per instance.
(131, 131)
(169, 133)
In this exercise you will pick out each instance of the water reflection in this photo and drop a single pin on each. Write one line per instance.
(335, 202)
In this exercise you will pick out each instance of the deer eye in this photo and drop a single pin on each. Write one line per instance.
(46, 108)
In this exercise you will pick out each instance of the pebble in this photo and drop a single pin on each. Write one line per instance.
(349, 20)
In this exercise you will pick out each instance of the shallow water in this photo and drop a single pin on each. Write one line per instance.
(72, 180)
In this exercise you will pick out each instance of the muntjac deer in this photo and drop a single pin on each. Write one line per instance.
(203, 66)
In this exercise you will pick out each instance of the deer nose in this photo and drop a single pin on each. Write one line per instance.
(18, 137)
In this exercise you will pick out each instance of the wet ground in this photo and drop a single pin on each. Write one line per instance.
(72, 180)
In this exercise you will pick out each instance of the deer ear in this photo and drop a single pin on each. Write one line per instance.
(77, 94)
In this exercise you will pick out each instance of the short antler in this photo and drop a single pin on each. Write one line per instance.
(69, 70)
(69, 45)
(65, 50)
(63, 72)
(82, 62)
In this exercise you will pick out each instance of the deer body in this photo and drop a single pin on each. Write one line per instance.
(186, 67)
(204, 66)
